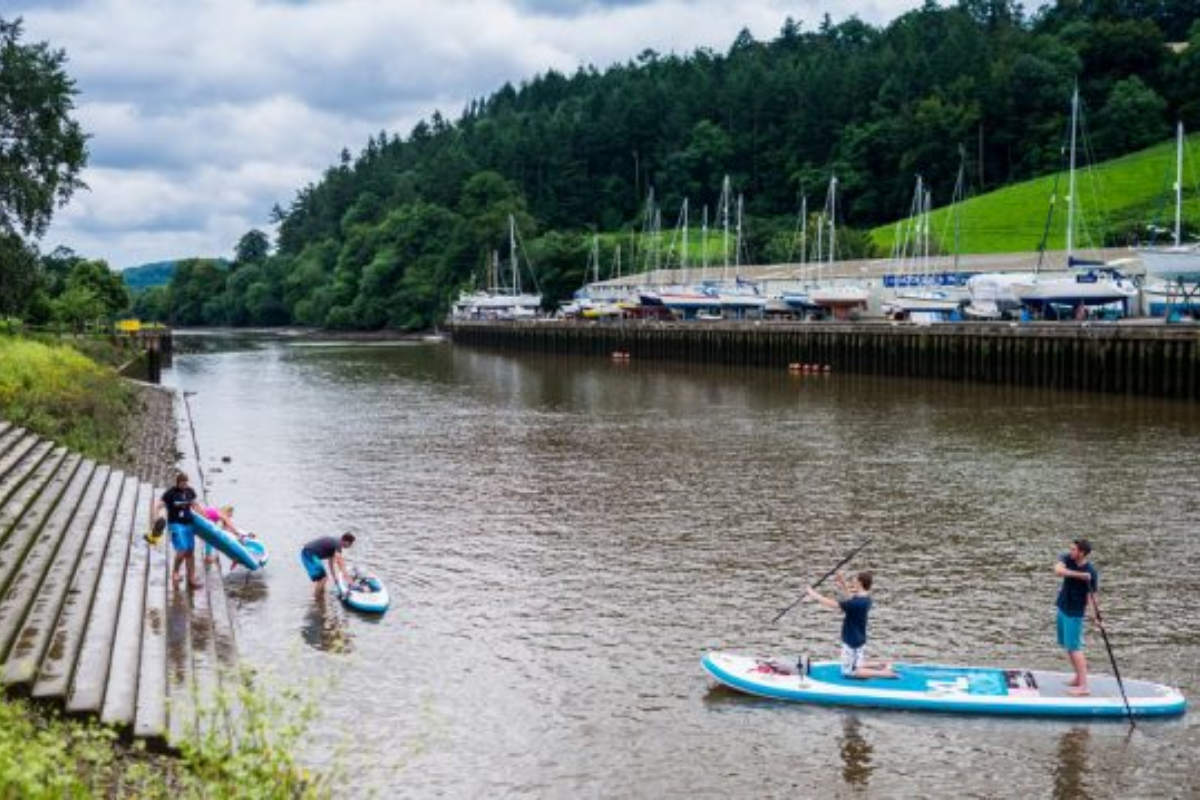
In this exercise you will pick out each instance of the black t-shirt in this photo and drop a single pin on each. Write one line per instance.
(1072, 597)
(324, 548)
(179, 504)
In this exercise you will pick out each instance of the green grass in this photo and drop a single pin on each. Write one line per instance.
(1116, 201)
(58, 393)
(44, 755)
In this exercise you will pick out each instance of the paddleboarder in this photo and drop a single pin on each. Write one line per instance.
(1076, 596)
(326, 549)
(855, 604)
(179, 503)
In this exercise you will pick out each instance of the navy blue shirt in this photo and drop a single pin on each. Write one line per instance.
(179, 504)
(854, 625)
(1072, 597)
(324, 548)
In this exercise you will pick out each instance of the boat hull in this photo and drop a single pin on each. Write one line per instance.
(1172, 264)
(947, 689)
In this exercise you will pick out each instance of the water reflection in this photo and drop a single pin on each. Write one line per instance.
(324, 627)
(1071, 770)
(245, 590)
(856, 753)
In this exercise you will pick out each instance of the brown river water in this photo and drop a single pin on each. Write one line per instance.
(564, 538)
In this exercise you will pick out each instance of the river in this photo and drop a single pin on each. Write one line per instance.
(564, 538)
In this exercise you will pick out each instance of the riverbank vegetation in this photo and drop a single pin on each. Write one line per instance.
(57, 392)
(44, 755)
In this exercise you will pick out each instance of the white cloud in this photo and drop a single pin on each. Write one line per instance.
(205, 114)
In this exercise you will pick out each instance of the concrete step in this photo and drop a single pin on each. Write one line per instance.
(181, 683)
(16, 466)
(150, 716)
(28, 581)
(120, 696)
(28, 509)
(95, 655)
(33, 640)
(58, 667)
(9, 435)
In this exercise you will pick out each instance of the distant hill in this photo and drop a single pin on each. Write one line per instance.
(148, 275)
(1117, 200)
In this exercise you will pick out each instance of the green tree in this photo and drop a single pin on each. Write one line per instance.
(1133, 117)
(252, 248)
(42, 151)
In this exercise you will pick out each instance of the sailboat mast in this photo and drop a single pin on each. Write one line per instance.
(1179, 184)
(512, 252)
(1071, 178)
(725, 192)
(832, 217)
(737, 256)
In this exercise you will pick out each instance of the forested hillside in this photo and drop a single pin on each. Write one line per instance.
(389, 235)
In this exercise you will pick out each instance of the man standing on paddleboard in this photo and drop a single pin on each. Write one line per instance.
(856, 605)
(1080, 582)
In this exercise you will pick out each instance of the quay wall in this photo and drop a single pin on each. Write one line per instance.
(1149, 359)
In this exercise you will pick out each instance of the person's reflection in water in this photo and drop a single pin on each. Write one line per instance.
(324, 627)
(1072, 765)
(856, 753)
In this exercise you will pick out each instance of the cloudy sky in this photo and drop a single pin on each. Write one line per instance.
(206, 113)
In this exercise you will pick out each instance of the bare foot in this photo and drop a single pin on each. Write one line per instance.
(1078, 691)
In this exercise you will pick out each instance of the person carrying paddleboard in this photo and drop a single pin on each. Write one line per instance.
(855, 604)
(326, 549)
(1075, 597)
(179, 503)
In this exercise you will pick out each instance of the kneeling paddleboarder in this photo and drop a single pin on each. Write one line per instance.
(855, 603)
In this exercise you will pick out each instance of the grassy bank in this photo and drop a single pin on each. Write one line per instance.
(1116, 199)
(61, 394)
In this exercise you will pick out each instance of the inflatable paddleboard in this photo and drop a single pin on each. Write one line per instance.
(366, 593)
(258, 550)
(929, 687)
(226, 543)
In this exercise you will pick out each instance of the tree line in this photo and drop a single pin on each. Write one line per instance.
(389, 236)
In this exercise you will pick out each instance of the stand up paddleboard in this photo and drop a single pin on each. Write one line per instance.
(929, 687)
(251, 554)
(366, 593)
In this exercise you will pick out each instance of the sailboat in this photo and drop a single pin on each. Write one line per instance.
(1177, 263)
(1087, 283)
(500, 300)
(918, 289)
(838, 299)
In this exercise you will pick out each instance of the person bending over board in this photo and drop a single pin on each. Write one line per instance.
(327, 548)
(179, 502)
(855, 604)
(1079, 585)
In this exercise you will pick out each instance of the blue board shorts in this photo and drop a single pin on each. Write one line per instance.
(183, 537)
(1070, 632)
(313, 564)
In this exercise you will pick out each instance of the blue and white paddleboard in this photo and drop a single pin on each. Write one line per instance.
(930, 687)
(226, 543)
(366, 593)
(258, 550)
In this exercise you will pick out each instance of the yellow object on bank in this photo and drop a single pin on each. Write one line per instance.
(129, 325)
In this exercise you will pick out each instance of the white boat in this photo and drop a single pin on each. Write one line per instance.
(1177, 263)
(916, 287)
(1084, 283)
(500, 300)
(840, 298)
(992, 295)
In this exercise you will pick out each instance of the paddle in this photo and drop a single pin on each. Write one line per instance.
(824, 577)
(1113, 660)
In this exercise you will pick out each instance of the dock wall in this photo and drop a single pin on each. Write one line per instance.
(1155, 360)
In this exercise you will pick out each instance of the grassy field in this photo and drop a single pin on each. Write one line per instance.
(1116, 201)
